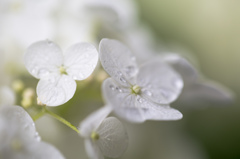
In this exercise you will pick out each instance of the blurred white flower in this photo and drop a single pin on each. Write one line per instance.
(7, 96)
(138, 94)
(197, 90)
(118, 13)
(103, 136)
(57, 71)
(19, 139)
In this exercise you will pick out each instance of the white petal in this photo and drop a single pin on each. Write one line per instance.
(205, 92)
(118, 61)
(80, 60)
(43, 58)
(113, 140)
(93, 150)
(17, 119)
(42, 150)
(182, 66)
(17, 126)
(153, 111)
(135, 108)
(56, 90)
(7, 96)
(91, 123)
(159, 82)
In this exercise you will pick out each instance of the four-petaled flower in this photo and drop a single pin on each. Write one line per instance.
(19, 139)
(103, 136)
(57, 71)
(138, 93)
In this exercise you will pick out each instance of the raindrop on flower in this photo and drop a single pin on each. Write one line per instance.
(112, 87)
(123, 80)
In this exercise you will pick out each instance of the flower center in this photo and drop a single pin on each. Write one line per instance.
(95, 136)
(62, 70)
(136, 89)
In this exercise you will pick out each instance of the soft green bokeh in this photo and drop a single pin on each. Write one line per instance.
(209, 30)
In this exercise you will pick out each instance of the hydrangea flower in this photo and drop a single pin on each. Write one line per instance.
(103, 136)
(197, 90)
(57, 71)
(19, 139)
(138, 93)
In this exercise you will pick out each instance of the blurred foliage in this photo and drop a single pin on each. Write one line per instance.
(209, 30)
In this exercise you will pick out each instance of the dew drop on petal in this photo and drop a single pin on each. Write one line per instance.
(37, 137)
(119, 73)
(112, 87)
(122, 79)
(119, 89)
(140, 100)
(178, 83)
(148, 93)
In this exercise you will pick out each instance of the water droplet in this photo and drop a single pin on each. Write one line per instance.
(112, 87)
(49, 42)
(140, 100)
(178, 83)
(119, 73)
(37, 137)
(148, 93)
(119, 89)
(33, 71)
(122, 79)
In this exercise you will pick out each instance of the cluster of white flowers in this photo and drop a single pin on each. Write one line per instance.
(143, 81)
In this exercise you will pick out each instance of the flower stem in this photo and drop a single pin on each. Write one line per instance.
(62, 120)
(39, 115)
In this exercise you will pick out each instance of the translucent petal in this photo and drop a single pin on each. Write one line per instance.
(136, 108)
(205, 92)
(56, 90)
(93, 150)
(80, 60)
(159, 82)
(43, 58)
(7, 96)
(118, 61)
(112, 11)
(153, 111)
(16, 128)
(113, 140)
(182, 66)
(19, 138)
(42, 150)
(16, 118)
(91, 123)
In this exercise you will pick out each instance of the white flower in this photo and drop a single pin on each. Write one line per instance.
(138, 94)
(117, 13)
(19, 139)
(103, 136)
(197, 90)
(57, 71)
(7, 96)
